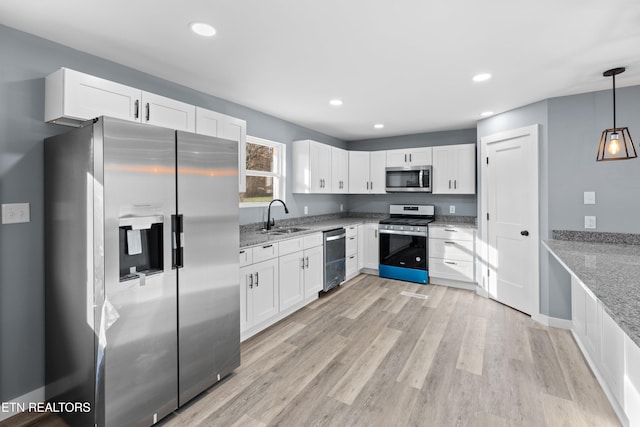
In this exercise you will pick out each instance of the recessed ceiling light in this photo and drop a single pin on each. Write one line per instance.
(481, 77)
(378, 125)
(336, 102)
(486, 113)
(202, 29)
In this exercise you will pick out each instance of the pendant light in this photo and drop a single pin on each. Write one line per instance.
(615, 143)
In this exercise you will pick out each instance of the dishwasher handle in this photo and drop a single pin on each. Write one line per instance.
(339, 236)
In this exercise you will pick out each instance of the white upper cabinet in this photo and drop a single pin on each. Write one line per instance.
(367, 172)
(311, 167)
(454, 169)
(169, 113)
(208, 122)
(409, 157)
(339, 170)
(72, 97)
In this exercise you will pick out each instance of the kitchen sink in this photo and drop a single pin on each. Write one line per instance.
(281, 231)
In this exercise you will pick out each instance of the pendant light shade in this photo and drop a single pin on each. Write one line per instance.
(615, 143)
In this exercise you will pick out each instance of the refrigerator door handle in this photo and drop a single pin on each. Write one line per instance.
(177, 236)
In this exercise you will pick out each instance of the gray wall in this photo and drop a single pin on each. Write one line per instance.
(464, 204)
(569, 135)
(26, 60)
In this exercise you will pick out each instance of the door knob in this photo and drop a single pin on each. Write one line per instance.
(524, 233)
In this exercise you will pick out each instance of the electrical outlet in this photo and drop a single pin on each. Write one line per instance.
(452, 209)
(306, 210)
(341, 207)
(590, 222)
(589, 197)
(14, 213)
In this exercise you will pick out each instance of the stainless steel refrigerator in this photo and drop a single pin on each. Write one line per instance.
(142, 272)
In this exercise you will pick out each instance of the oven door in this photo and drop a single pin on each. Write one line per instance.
(417, 179)
(405, 249)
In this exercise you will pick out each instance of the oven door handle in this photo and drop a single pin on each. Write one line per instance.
(404, 233)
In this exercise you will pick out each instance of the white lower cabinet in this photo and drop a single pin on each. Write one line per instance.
(631, 381)
(606, 347)
(368, 246)
(258, 293)
(452, 254)
(612, 354)
(351, 251)
(277, 279)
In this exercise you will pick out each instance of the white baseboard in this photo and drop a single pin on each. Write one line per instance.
(36, 395)
(554, 322)
(470, 286)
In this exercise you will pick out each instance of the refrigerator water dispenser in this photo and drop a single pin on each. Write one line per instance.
(140, 246)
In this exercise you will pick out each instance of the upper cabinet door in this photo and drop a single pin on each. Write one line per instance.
(72, 97)
(358, 172)
(320, 166)
(208, 122)
(166, 112)
(236, 130)
(377, 172)
(454, 169)
(409, 157)
(339, 170)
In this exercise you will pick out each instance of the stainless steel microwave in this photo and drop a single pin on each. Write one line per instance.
(415, 178)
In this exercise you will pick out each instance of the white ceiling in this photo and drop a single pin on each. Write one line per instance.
(406, 63)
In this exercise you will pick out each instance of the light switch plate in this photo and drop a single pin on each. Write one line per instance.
(452, 208)
(14, 213)
(589, 197)
(590, 222)
(306, 210)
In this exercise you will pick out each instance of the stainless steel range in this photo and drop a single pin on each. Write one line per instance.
(404, 243)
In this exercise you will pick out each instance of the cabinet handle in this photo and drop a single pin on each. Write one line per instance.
(257, 279)
(371, 185)
(410, 158)
(302, 262)
(449, 184)
(137, 109)
(451, 243)
(307, 262)
(451, 229)
(241, 252)
(450, 262)
(148, 111)
(352, 257)
(268, 246)
(405, 158)
(455, 184)
(251, 281)
(376, 233)
(352, 238)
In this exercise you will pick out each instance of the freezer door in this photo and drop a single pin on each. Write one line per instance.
(139, 314)
(208, 282)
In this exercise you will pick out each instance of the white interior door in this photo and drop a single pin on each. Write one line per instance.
(510, 212)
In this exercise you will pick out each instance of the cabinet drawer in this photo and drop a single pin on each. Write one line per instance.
(352, 230)
(449, 233)
(351, 245)
(265, 252)
(461, 250)
(313, 240)
(290, 246)
(246, 256)
(452, 269)
(352, 265)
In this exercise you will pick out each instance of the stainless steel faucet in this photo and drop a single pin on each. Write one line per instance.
(271, 222)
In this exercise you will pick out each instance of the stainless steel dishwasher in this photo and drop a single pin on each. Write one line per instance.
(334, 258)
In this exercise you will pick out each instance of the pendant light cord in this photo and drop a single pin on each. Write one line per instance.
(614, 101)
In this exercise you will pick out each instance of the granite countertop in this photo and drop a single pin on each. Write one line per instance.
(440, 223)
(611, 272)
(257, 237)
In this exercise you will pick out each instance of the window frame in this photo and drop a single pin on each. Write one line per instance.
(280, 174)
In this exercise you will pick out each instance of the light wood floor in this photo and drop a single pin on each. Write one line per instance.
(366, 355)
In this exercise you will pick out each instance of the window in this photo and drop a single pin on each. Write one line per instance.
(265, 172)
